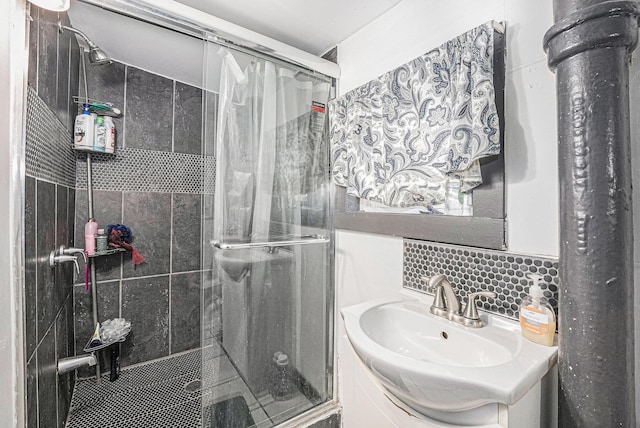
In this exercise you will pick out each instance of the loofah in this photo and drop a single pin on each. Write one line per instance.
(121, 236)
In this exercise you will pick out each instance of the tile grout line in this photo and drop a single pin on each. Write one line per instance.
(73, 290)
(70, 119)
(35, 244)
(124, 108)
(170, 270)
(37, 389)
(55, 355)
(120, 280)
(159, 275)
(173, 117)
(37, 25)
(57, 60)
(35, 209)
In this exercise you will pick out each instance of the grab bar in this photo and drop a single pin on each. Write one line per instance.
(305, 239)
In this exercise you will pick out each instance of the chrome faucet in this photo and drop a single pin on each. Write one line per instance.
(447, 305)
(445, 302)
(63, 255)
(73, 251)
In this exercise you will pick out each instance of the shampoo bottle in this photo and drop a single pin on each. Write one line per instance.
(83, 130)
(101, 135)
(537, 319)
(90, 233)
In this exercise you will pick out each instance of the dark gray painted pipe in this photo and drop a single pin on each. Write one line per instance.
(589, 47)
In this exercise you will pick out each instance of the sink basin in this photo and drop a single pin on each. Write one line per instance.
(433, 364)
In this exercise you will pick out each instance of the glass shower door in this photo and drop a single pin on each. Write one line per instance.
(267, 351)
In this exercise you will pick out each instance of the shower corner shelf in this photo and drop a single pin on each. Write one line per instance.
(89, 348)
(100, 108)
(91, 151)
(108, 252)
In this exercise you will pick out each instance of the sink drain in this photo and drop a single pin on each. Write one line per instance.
(444, 335)
(193, 386)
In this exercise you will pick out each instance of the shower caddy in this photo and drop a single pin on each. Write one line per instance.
(113, 345)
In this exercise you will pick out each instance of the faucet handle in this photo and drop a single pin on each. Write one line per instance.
(471, 310)
(72, 251)
(438, 299)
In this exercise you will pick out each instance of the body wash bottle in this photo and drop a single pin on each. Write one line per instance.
(90, 233)
(537, 319)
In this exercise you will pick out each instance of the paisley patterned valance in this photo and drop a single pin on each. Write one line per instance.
(397, 139)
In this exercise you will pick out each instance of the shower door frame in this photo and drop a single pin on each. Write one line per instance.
(330, 405)
(13, 85)
(281, 54)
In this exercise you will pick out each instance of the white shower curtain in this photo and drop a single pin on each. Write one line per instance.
(266, 142)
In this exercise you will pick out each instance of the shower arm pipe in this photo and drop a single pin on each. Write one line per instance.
(78, 32)
(186, 16)
(305, 240)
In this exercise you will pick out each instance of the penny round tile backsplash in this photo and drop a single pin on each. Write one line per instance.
(473, 269)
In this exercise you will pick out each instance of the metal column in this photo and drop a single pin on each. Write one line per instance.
(589, 48)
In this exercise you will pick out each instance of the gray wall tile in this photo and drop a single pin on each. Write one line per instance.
(211, 324)
(47, 408)
(149, 217)
(64, 53)
(210, 123)
(65, 381)
(185, 311)
(45, 243)
(32, 392)
(208, 260)
(32, 75)
(62, 224)
(187, 119)
(149, 111)
(74, 81)
(145, 302)
(186, 232)
(71, 215)
(30, 264)
(48, 57)
(63, 271)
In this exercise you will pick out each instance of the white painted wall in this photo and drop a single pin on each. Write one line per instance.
(415, 26)
(370, 266)
(367, 267)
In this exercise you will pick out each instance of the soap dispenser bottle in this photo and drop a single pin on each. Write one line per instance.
(537, 319)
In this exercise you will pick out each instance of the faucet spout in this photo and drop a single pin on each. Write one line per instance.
(452, 303)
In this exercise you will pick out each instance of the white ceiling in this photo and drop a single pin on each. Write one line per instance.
(313, 26)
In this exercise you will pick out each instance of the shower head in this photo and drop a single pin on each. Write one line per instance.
(96, 55)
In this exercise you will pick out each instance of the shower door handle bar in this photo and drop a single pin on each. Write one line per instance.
(305, 240)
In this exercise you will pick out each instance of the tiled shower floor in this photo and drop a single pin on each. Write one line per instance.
(153, 395)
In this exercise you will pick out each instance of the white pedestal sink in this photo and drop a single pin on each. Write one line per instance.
(434, 365)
